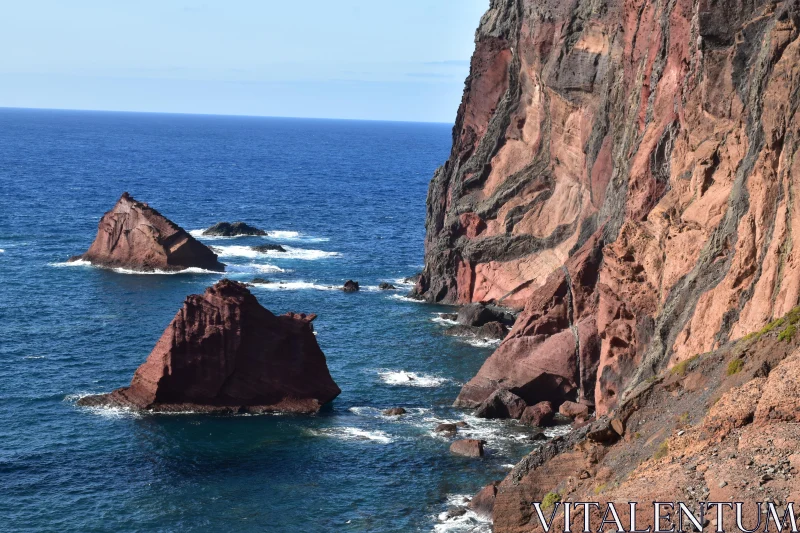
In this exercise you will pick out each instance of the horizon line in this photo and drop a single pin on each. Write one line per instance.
(85, 110)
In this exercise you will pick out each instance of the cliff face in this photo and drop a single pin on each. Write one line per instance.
(136, 236)
(648, 147)
(224, 352)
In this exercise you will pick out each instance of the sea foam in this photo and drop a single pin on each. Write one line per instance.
(84, 263)
(294, 286)
(410, 379)
(290, 253)
(279, 235)
(355, 434)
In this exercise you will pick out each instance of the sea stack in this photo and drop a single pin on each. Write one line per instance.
(134, 235)
(224, 352)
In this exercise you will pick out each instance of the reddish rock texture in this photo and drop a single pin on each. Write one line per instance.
(623, 171)
(133, 235)
(735, 438)
(224, 352)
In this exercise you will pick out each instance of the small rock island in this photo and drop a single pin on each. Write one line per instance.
(225, 353)
(134, 235)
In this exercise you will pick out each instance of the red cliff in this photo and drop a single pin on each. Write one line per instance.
(224, 352)
(623, 171)
(133, 235)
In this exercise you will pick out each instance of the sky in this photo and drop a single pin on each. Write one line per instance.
(366, 59)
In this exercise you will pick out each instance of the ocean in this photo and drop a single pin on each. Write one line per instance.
(347, 200)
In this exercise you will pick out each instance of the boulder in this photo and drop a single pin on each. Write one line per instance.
(478, 314)
(394, 411)
(386, 286)
(224, 352)
(538, 415)
(350, 286)
(483, 502)
(468, 447)
(574, 410)
(135, 236)
(264, 248)
(501, 404)
(446, 428)
(235, 229)
(492, 330)
(260, 280)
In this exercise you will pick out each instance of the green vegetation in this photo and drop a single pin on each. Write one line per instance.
(600, 488)
(684, 419)
(550, 500)
(681, 368)
(662, 451)
(790, 319)
(637, 435)
(787, 334)
(735, 366)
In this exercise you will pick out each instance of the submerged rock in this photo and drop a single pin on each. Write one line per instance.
(350, 286)
(235, 229)
(386, 286)
(394, 411)
(224, 352)
(492, 331)
(263, 248)
(133, 235)
(445, 427)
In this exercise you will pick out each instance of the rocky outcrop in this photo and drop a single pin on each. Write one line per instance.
(722, 427)
(235, 229)
(265, 248)
(224, 352)
(625, 172)
(135, 236)
(350, 286)
(501, 404)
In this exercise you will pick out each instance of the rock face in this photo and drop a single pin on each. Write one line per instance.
(623, 171)
(224, 352)
(715, 430)
(133, 235)
(235, 229)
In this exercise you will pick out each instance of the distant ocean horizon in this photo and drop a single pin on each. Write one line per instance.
(347, 200)
(222, 115)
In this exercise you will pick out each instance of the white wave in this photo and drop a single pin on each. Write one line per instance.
(410, 379)
(78, 263)
(294, 286)
(439, 319)
(33, 357)
(469, 521)
(280, 235)
(351, 433)
(190, 270)
(405, 299)
(403, 282)
(250, 268)
(480, 343)
(84, 263)
(2, 251)
(290, 253)
(374, 412)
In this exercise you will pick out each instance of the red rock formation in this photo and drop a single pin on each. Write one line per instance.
(134, 235)
(224, 352)
(657, 139)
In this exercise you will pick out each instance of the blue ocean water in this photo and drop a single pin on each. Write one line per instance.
(347, 199)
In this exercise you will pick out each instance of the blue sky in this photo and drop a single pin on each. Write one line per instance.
(368, 59)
